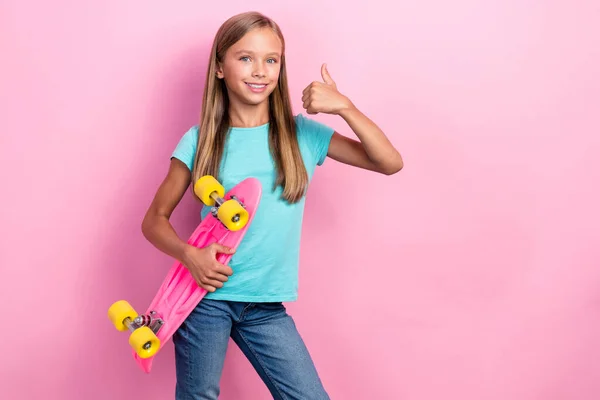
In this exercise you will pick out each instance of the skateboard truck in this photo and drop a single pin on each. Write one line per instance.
(232, 213)
(150, 320)
(143, 327)
(219, 201)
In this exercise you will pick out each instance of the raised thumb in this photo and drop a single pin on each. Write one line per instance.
(325, 74)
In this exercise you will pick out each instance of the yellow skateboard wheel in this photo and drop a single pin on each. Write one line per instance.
(144, 342)
(205, 186)
(232, 215)
(119, 311)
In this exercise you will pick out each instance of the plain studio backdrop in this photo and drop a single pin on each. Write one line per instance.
(472, 274)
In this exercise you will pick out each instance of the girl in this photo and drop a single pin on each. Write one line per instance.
(247, 129)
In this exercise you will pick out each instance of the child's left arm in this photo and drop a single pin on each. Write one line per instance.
(374, 150)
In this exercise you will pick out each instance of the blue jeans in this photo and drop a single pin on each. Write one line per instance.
(264, 332)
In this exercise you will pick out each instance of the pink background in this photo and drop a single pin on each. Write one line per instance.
(472, 274)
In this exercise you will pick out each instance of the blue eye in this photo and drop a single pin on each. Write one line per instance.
(244, 58)
(272, 59)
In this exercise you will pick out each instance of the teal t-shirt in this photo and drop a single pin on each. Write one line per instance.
(265, 265)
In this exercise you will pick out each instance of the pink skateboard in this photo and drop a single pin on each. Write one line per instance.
(179, 294)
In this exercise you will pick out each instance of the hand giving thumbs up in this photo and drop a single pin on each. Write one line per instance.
(324, 96)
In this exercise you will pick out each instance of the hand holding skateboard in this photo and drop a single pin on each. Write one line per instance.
(183, 287)
(204, 267)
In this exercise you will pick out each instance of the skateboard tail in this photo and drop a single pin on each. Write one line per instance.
(145, 364)
(178, 299)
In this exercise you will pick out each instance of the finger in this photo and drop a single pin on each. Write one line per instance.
(219, 248)
(306, 95)
(222, 269)
(325, 74)
(312, 86)
(208, 288)
(217, 277)
(210, 284)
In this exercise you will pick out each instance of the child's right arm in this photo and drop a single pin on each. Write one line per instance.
(156, 227)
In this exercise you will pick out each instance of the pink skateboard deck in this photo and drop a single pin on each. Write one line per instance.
(179, 293)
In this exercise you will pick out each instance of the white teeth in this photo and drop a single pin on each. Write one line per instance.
(256, 86)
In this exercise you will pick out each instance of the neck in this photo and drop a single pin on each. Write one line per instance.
(248, 116)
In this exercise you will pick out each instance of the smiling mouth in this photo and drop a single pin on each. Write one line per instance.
(257, 85)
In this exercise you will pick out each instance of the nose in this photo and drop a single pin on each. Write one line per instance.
(259, 70)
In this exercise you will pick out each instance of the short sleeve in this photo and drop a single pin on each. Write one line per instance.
(317, 135)
(185, 151)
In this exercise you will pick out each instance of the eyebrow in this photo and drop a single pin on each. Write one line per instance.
(251, 52)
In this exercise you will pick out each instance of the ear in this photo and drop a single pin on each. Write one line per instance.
(219, 70)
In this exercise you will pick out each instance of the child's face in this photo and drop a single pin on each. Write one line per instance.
(251, 66)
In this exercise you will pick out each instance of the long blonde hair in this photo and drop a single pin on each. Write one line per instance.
(214, 120)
